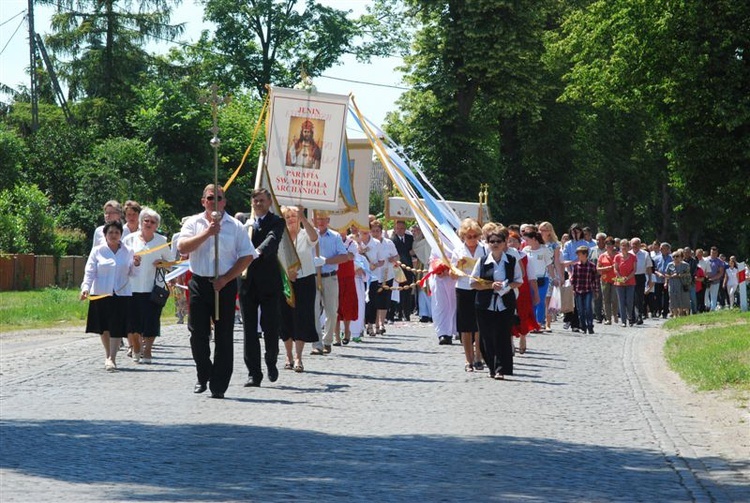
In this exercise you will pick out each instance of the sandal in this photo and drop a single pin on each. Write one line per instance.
(345, 340)
(288, 366)
(478, 366)
(299, 368)
(468, 367)
(381, 331)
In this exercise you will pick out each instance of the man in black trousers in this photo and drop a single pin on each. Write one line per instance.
(404, 246)
(197, 239)
(262, 287)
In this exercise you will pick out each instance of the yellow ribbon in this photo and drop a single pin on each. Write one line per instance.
(250, 147)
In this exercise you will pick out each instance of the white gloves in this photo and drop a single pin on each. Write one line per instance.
(319, 261)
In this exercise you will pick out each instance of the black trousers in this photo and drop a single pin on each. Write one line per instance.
(270, 321)
(495, 340)
(661, 292)
(202, 310)
(639, 299)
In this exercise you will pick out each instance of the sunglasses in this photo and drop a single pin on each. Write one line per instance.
(495, 241)
(211, 198)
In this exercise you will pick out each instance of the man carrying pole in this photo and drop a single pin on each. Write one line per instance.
(210, 279)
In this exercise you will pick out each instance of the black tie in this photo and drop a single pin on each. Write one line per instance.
(258, 221)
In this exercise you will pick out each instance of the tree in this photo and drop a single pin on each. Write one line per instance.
(474, 70)
(26, 223)
(266, 42)
(681, 67)
(13, 158)
(106, 39)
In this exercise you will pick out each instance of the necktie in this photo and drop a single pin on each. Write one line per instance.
(257, 223)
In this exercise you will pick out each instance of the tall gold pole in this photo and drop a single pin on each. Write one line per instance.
(215, 100)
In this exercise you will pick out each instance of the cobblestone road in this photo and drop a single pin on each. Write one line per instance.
(393, 419)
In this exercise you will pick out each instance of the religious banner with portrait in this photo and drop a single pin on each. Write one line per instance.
(306, 143)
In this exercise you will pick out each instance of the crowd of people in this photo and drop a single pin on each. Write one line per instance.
(502, 283)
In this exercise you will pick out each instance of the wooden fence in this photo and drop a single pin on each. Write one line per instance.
(30, 272)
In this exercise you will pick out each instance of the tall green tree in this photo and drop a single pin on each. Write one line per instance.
(104, 40)
(264, 42)
(682, 66)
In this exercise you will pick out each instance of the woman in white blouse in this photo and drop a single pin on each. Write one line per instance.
(144, 321)
(495, 279)
(298, 323)
(107, 278)
(464, 259)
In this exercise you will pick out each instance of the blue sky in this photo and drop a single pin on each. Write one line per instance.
(374, 101)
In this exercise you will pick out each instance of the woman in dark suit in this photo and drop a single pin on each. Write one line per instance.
(495, 278)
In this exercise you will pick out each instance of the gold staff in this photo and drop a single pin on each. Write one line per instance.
(215, 100)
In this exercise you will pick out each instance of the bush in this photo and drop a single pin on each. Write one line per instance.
(26, 223)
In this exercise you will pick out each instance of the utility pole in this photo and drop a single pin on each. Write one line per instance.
(32, 70)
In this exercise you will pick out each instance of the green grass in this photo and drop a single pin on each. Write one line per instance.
(48, 308)
(711, 351)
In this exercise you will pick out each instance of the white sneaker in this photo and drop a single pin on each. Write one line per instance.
(137, 358)
(145, 360)
(109, 365)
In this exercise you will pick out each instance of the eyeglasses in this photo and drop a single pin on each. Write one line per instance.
(472, 236)
(495, 241)
(211, 198)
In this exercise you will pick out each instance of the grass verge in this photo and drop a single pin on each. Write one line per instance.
(711, 351)
(51, 307)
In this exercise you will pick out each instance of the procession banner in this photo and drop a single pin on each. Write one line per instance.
(397, 208)
(354, 194)
(306, 143)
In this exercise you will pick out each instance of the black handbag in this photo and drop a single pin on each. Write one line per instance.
(159, 294)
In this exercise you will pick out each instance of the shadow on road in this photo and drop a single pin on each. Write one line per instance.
(220, 462)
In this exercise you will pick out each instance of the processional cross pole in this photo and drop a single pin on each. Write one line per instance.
(215, 100)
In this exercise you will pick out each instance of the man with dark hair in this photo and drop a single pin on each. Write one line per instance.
(404, 243)
(236, 252)
(262, 287)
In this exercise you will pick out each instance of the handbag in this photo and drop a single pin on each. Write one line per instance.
(159, 294)
(567, 300)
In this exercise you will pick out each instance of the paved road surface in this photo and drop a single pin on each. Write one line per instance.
(396, 418)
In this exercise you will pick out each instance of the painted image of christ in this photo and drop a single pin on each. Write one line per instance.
(304, 149)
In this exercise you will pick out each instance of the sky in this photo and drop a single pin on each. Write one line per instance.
(375, 101)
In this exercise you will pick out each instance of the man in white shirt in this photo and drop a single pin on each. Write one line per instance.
(197, 239)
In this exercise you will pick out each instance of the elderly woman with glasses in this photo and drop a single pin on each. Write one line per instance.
(495, 279)
(144, 323)
(463, 260)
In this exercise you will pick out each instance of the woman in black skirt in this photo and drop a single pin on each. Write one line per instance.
(463, 259)
(106, 283)
(298, 323)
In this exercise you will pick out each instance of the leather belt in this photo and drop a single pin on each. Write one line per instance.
(328, 274)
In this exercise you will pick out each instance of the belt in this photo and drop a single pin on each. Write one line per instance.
(328, 274)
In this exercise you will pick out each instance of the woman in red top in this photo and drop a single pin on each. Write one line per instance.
(625, 281)
(348, 309)
(528, 295)
(606, 268)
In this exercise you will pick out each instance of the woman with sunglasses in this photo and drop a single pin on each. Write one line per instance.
(495, 279)
(464, 259)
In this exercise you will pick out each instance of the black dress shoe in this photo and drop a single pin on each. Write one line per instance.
(424, 319)
(200, 387)
(445, 340)
(273, 372)
(217, 395)
(254, 382)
